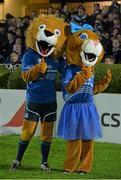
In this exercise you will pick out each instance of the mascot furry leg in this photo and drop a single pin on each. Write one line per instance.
(79, 156)
(46, 138)
(28, 130)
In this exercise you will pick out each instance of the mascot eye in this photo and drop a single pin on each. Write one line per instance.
(57, 32)
(42, 26)
(84, 36)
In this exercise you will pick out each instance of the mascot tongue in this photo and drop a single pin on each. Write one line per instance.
(44, 47)
(44, 50)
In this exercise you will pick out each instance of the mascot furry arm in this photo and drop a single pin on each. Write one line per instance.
(85, 50)
(33, 73)
(46, 36)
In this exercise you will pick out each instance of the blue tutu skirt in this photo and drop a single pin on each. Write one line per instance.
(79, 121)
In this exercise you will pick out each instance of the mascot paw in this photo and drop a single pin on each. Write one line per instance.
(86, 71)
(43, 66)
(109, 75)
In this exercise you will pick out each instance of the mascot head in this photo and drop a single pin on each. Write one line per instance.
(46, 35)
(84, 47)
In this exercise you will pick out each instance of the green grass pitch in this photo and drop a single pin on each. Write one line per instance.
(106, 165)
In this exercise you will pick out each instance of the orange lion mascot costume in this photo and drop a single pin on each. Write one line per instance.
(79, 120)
(45, 39)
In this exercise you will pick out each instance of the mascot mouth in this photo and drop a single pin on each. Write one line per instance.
(89, 57)
(44, 47)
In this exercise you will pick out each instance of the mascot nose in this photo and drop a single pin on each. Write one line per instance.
(95, 43)
(48, 33)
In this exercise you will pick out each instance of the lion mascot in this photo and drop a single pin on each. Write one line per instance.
(45, 38)
(79, 120)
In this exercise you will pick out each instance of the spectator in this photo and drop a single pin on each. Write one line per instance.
(18, 49)
(96, 10)
(107, 43)
(98, 25)
(99, 17)
(116, 51)
(50, 10)
(18, 41)
(13, 59)
(119, 38)
(11, 39)
(33, 14)
(26, 20)
(57, 13)
(63, 16)
(110, 22)
(18, 32)
(65, 10)
(115, 6)
(75, 18)
(84, 17)
(109, 60)
(117, 23)
(8, 20)
(12, 29)
(19, 23)
(115, 32)
(105, 10)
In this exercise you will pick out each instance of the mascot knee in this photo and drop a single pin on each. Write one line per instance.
(28, 130)
(46, 132)
(26, 135)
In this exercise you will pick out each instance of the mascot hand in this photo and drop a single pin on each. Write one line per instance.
(86, 71)
(109, 76)
(42, 66)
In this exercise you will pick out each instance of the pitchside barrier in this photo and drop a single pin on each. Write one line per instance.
(12, 103)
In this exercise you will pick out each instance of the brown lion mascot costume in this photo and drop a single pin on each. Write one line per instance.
(45, 39)
(79, 121)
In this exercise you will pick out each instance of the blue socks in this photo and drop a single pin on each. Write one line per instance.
(45, 148)
(21, 149)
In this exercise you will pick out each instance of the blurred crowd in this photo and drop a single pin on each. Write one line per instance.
(106, 23)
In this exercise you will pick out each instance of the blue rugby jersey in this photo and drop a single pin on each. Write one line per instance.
(41, 90)
(84, 94)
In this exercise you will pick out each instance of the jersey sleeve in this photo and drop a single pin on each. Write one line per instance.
(67, 76)
(27, 62)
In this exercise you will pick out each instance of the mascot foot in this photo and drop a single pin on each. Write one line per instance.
(82, 172)
(66, 172)
(45, 167)
(15, 165)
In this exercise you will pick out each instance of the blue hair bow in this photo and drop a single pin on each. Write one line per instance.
(76, 27)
